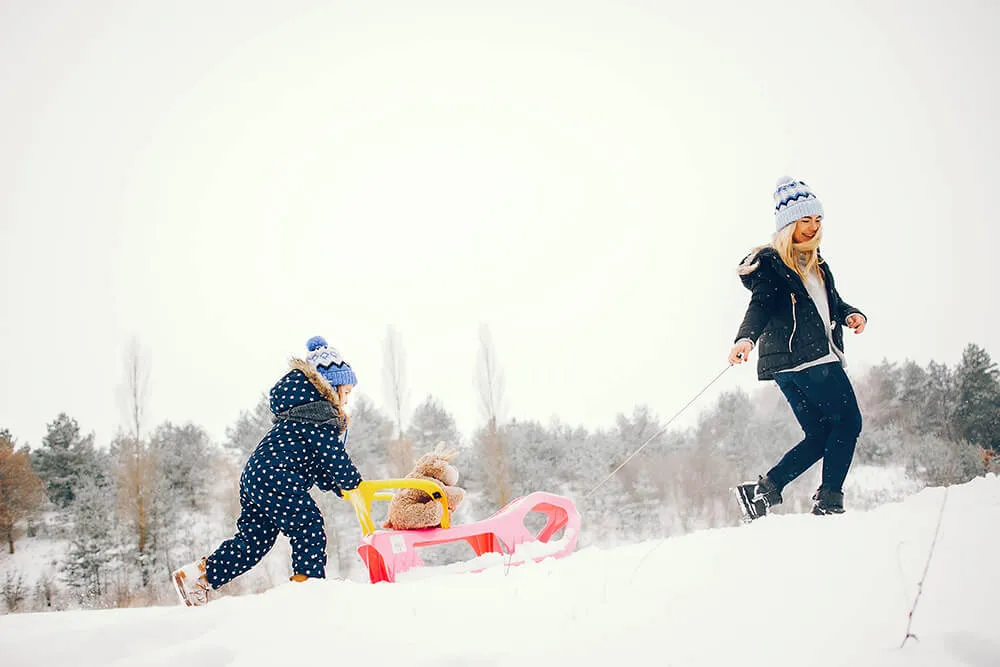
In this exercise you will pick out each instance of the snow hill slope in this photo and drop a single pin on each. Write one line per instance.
(787, 590)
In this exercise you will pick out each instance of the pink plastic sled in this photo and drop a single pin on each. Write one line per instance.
(389, 553)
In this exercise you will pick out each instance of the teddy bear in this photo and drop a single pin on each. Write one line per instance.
(412, 508)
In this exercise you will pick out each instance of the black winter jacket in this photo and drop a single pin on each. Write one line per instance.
(782, 319)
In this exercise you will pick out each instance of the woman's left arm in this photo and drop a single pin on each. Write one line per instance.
(851, 316)
(846, 310)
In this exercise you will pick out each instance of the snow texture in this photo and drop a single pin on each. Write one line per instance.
(786, 590)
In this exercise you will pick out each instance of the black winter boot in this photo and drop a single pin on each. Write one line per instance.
(828, 502)
(756, 497)
(767, 491)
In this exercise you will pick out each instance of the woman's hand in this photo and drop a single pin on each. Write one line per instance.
(740, 351)
(857, 322)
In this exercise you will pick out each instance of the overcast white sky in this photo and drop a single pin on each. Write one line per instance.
(226, 179)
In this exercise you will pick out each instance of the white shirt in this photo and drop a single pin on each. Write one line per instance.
(818, 294)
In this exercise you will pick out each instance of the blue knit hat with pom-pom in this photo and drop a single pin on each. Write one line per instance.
(329, 363)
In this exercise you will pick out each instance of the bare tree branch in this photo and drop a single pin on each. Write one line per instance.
(394, 376)
(489, 377)
(137, 468)
(490, 381)
(400, 450)
(136, 387)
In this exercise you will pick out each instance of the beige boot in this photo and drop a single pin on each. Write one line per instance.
(191, 584)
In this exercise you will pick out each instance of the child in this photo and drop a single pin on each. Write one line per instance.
(305, 446)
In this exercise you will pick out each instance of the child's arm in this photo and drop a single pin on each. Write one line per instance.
(336, 470)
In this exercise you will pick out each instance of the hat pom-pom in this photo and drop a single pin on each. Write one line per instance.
(315, 343)
(783, 180)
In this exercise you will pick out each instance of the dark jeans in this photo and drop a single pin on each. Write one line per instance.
(824, 403)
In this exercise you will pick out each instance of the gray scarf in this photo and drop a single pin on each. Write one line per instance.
(317, 412)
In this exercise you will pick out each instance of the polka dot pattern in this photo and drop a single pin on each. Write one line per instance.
(274, 487)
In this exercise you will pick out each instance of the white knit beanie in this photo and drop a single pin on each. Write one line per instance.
(793, 200)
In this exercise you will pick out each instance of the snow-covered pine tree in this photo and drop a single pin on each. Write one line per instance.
(94, 550)
(977, 410)
(631, 433)
(13, 589)
(432, 424)
(248, 429)
(370, 432)
(535, 458)
(579, 466)
(725, 427)
(186, 460)
(938, 405)
(878, 394)
(912, 390)
(65, 459)
(772, 431)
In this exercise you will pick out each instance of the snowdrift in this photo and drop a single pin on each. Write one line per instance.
(786, 590)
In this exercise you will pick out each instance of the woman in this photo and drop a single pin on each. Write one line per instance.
(796, 316)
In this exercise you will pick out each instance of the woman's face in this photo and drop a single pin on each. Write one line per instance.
(806, 228)
(345, 391)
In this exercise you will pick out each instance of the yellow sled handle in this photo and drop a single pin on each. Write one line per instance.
(368, 491)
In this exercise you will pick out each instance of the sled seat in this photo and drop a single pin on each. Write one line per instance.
(388, 553)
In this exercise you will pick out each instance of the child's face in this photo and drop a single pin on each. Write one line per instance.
(345, 392)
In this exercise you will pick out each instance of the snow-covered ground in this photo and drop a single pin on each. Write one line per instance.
(33, 559)
(787, 590)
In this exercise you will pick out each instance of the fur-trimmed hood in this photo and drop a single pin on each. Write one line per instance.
(751, 262)
(299, 388)
(324, 388)
(767, 256)
(762, 254)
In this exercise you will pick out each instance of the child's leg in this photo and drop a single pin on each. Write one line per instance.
(284, 497)
(255, 535)
(298, 517)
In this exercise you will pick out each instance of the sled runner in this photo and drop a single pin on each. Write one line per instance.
(388, 553)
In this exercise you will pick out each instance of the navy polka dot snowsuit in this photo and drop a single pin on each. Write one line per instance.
(274, 488)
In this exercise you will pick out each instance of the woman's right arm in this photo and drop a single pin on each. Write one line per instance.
(756, 318)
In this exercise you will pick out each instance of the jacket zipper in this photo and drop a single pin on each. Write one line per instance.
(795, 324)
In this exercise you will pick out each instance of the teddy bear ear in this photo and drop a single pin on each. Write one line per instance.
(444, 452)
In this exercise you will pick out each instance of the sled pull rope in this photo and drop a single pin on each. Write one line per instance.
(658, 433)
(927, 566)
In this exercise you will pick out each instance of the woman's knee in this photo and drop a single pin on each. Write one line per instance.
(816, 431)
(848, 417)
(849, 421)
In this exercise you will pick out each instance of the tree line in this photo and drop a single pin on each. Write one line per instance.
(129, 511)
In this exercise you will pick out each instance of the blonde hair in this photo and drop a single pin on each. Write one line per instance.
(802, 258)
